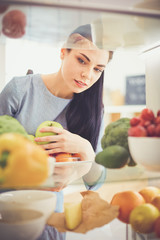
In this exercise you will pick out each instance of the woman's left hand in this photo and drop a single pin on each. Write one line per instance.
(65, 141)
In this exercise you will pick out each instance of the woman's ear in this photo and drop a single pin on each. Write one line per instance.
(62, 53)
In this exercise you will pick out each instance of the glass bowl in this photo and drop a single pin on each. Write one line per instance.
(64, 173)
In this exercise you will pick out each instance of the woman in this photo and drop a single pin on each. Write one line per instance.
(73, 97)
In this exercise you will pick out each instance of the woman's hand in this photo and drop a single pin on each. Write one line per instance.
(65, 141)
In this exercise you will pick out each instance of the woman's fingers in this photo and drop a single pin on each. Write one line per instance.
(49, 139)
(52, 129)
(54, 150)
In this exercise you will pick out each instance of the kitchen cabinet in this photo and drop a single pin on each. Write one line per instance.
(122, 25)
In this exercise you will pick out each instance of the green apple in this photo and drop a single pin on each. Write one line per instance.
(31, 137)
(43, 134)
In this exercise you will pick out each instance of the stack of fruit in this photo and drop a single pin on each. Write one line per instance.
(140, 209)
(144, 139)
(146, 125)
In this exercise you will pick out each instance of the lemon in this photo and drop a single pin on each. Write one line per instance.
(142, 218)
(73, 214)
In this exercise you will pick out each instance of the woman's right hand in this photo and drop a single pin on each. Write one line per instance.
(65, 141)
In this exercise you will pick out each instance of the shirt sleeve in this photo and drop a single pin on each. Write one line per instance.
(99, 182)
(97, 171)
(9, 99)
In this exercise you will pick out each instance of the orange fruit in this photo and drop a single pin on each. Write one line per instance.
(64, 157)
(127, 201)
(157, 227)
(149, 193)
(156, 201)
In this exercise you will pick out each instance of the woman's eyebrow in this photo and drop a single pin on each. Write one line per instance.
(99, 65)
(85, 57)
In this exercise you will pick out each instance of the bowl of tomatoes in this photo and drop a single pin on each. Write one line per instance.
(144, 139)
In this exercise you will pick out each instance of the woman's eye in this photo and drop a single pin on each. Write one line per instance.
(98, 70)
(81, 60)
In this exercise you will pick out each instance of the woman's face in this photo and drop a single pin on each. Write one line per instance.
(81, 68)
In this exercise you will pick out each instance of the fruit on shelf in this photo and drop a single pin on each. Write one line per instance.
(43, 134)
(64, 157)
(143, 217)
(113, 157)
(147, 115)
(149, 193)
(127, 201)
(156, 201)
(146, 125)
(137, 131)
(73, 214)
(157, 227)
(134, 121)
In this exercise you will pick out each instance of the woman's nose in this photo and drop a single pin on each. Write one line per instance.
(87, 74)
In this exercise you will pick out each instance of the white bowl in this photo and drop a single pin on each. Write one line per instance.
(21, 224)
(145, 151)
(39, 200)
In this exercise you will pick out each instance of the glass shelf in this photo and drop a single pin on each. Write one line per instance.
(121, 25)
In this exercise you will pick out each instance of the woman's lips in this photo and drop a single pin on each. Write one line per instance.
(80, 84)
